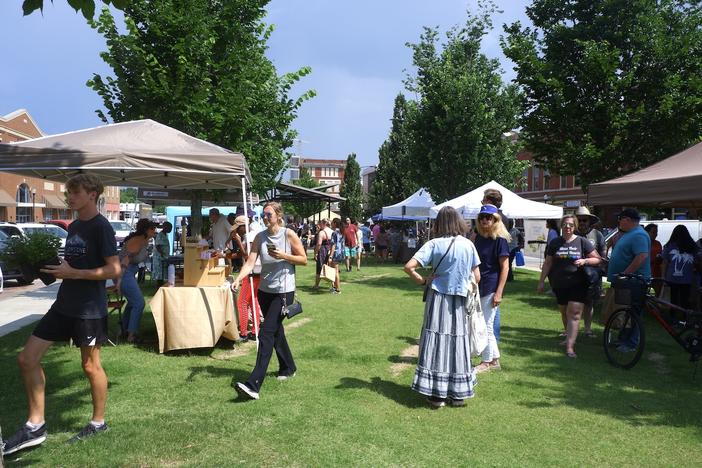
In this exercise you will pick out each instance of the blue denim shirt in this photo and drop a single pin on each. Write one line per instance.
(453, 275)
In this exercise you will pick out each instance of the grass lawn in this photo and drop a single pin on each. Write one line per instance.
(350, 403)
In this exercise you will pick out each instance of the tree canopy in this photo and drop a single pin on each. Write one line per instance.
(351, 190)
(200, 66)
(393, 180)
(87, 7)
(609, 86)
(463, 110)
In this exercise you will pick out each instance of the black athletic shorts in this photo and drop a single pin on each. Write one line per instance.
(577, 293)
(84, 332)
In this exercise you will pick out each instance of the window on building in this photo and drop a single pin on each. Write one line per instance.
(23, 194)
(547, 179)
(563, 182)
(536, 183)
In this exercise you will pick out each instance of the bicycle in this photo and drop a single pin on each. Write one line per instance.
(624, 336)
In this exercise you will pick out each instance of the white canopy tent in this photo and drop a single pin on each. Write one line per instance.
(513, 206)
(414, 208)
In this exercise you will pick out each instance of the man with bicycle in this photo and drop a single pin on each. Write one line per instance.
(630, 256)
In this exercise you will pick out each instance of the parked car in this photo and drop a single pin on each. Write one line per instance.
(10, 229)
(8, 274)
(60, 222)
(122, 230)
(30, 228)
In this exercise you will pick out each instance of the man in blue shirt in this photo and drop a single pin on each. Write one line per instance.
(630, 256)
(630, 253)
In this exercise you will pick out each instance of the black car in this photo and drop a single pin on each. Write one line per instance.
(9, 274)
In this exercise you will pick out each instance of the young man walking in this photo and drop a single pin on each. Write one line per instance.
(350, 244)
(79, 313)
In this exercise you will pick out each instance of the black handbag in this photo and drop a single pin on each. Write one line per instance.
(295, 308)
(427, 286)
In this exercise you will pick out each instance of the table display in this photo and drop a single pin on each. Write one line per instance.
(193, 317)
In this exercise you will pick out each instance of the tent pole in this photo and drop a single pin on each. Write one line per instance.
(248, 249)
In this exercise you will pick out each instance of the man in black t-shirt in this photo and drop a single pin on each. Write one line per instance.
(79, 313)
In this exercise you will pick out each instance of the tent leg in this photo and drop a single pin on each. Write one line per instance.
(248, 249)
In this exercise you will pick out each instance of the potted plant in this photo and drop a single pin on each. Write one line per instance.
(30, 253)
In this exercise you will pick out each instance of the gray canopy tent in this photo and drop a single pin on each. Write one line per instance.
(142, 153)
(673, 181)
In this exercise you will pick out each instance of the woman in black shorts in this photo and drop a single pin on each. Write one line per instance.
(565, 257)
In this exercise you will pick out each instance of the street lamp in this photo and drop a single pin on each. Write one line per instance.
(34, 205)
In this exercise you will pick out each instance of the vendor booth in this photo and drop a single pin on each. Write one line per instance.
(147, 154)
(675, 181)
(415, 208)
(513, 206)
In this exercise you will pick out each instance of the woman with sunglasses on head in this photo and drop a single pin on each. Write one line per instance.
(280, 251)
(565, 257)
(492, 244)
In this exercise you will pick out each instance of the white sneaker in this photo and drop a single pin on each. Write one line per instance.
(285, 377)
(244, 390)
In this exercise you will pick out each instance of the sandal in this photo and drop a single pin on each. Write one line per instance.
(482, 367)
(590, 334)
(571, 355)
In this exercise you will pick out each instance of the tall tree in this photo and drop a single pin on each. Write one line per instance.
(393, 181)
(609, 86)
(351, 190)
(200, 66)
(462, 112)
(304, 209)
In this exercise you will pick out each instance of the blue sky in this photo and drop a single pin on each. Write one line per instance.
(356, 50)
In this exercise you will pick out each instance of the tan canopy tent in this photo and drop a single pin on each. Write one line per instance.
(141, 153)
(673, 181)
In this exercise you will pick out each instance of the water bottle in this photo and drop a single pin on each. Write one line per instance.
(171, 275)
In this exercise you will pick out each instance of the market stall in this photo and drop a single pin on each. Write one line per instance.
(147, 154)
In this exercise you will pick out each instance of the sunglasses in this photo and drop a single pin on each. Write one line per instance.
(485, 218)
(583, 220)
(267, 215)
(570, 225)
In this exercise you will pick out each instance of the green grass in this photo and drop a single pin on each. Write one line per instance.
(347, 407)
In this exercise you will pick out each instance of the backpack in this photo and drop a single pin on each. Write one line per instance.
(338, 241)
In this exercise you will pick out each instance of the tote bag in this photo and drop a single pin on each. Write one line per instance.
(328, 273)
(475, 321)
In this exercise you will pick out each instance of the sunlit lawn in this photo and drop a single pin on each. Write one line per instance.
(350, 403)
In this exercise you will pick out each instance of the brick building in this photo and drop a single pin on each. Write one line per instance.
(27, 199)
(325, 171)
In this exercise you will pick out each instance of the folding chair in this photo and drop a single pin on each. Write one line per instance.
(115, 304)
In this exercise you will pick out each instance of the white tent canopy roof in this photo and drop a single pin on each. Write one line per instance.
(415, 208)
(141, 153)
(513, 206)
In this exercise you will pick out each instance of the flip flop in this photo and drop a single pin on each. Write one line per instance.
(571, 355)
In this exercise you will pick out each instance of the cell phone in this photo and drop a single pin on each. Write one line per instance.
(270, 245)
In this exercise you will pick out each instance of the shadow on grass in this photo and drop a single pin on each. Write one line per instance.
(400, 394)
(642, 396)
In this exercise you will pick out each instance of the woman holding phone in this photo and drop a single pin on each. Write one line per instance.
(280, 250)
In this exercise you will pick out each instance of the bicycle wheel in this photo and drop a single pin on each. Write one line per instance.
(624, 338)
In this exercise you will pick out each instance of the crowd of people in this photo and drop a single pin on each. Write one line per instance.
(469, 273)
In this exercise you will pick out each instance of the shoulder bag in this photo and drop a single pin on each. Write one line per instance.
(427, 286)
(295, 308)
(475, 321)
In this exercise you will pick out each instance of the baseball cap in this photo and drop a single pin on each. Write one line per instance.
(488, 209)
(628, 213)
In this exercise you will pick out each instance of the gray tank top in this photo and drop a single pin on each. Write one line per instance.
(141, 257)
(277, 276)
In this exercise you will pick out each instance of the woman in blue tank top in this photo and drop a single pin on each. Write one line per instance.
(280, 250)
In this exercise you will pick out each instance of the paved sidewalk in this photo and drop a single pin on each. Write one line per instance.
(21, 309)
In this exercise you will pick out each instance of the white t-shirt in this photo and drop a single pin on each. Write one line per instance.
(220, 233)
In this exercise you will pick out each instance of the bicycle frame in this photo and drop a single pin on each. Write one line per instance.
(654, 306)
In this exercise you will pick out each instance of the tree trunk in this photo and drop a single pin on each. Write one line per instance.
(196, 212)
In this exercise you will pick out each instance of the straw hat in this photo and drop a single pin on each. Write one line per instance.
(583, 211)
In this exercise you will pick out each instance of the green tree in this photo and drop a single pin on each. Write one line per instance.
(351, 190)
(304, 209)
(609, 86)
(200, 66)
(127, 195)
(87, 7)
(463, 110)
(393, 182)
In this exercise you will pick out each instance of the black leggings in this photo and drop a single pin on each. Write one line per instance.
(271, 337)
(680, 294)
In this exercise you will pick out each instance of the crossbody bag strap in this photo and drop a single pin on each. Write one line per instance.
(445, 253)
